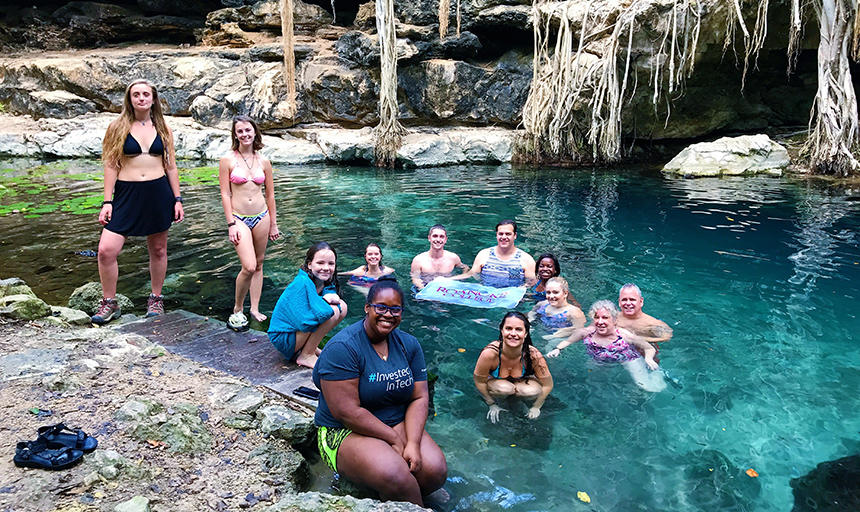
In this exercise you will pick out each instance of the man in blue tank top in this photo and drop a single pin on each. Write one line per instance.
(503, 265)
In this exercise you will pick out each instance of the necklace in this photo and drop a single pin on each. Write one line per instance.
(384, 357)
(246, 160)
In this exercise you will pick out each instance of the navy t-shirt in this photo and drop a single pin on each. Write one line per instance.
(384, 387)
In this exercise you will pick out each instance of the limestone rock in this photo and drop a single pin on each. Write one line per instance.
(288, 464)
(23, 307)
(136, 504)
(137, 410)
(456, 146)
(748, 154)
(236, 398)
(266, 16)
(61, 382)
(179, 426)
(317, 501)
(58, 104)
(92, 24)
(287, 424)
(71, 316)
(15, 286)
(86, 298)
(442, 89)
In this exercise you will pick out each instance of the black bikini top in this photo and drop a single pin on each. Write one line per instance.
(131, 147)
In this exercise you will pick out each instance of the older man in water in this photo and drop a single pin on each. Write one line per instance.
(633, 319)
(437, 261)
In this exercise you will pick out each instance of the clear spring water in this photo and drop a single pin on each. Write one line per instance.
(757, 276)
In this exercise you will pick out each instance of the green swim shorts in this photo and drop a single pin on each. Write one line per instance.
(328, 442)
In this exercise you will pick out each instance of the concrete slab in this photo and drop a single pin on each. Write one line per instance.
(243, 354)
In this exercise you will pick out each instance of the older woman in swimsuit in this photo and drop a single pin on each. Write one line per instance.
(607, 343)
(251, 216)
(141, 194)
(512, 367)
(369, 273)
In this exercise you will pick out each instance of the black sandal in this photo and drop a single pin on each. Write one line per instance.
(73, 438)
(42, 455)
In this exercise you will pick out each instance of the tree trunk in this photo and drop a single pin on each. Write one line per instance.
(834, 124)
(388, 133)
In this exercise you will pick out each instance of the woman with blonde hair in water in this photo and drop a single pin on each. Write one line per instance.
(141, 194)
(608, 344)
(243, 175)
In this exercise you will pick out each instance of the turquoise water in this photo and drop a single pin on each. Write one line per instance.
(757, 276)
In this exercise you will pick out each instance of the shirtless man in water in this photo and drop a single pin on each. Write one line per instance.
(635, 320)
(437, 261)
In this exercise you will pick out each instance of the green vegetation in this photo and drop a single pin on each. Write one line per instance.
(198, 175)
(49, 188)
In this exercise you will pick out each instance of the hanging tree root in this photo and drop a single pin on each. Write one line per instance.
(581, 82)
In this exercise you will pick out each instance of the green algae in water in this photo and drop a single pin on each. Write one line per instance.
(198, 176)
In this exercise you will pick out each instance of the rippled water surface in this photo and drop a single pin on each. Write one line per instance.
(757, 276)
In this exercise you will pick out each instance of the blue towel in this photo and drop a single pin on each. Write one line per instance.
(471, 294)
(300, 308)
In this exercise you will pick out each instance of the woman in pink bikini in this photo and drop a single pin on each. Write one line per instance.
(251, 217)
(607, 344)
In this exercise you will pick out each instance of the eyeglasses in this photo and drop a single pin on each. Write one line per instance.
(381, 309)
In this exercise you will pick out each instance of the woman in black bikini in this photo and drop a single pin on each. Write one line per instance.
(512, 367)
(141, 194)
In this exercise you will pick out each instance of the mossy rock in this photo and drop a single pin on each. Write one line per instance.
(23, 307)
(14, 286)
(178, 426)
(88, 297)
(285, 463)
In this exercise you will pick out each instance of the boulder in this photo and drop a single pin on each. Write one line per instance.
(236, 398)
(285, 464)
(70, 316)
(58, 105)
(748, 154)
(485, 145)
(180, 426)
(15, 286)
(285, 423)
(833, 486)
(441, 89)
(23, 307)
(87, 298)
(318, 501)
(265, 15)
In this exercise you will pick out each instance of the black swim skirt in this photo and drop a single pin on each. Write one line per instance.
(142, 208)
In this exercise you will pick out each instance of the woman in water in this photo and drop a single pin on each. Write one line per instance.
(371, 271)
(374, 401)
(309, 307)
(251, 217)
(557, 314)
(607, 343)
(547, 267)
(141, 194)
(512, 367)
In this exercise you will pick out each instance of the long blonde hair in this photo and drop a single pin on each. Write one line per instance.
(121, 126)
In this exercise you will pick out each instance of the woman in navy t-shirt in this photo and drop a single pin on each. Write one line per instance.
(374, 404)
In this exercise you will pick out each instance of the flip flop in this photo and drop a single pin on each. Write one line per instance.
(42, 455)
(73, 438)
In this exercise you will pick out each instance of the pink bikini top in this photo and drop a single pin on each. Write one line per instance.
(238, 177)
